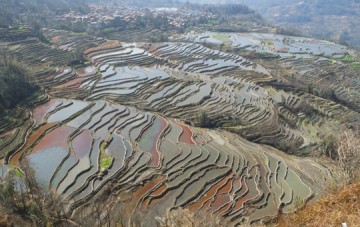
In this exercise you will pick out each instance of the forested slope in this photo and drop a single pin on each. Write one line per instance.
(15, 11)
(15, 84)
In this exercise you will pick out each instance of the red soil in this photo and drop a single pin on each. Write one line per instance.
(155, 159)
(56, 39)
(157, 192)
(240, 202)
(209, 194)
(227, 187)
(186, 135)
(162, 200)
(281, 50)
(55, 138)
(40, 111)
(86, 71)
(223, 209)
(236, 185)
(107, 45)
(31, 140)
(77, 81)
(152, 48)
(220, 201)
(147, 187)
(139, 194)
(160, 190)
(206, 205)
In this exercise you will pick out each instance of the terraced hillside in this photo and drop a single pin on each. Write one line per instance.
(128, 124)
(181, 80)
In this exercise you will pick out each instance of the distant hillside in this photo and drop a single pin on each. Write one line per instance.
(19, 11)
(325, 19)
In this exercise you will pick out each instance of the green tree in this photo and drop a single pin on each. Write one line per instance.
(203, 119)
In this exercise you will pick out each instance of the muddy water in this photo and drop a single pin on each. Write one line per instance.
(149, 140)
(45, 163)
(65, 113)
(209, 194)
(55, 138)
(40, 111)
(34, 136)
(82, 144)
(186, 135)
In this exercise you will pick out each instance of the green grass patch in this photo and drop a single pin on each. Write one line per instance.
(78, 33)
(347, 58)
(355, 66)
(333, 61)
(222, 37)
(106, 159)
(22, 28)
(211, 23)
(106, 163)
(18, 172)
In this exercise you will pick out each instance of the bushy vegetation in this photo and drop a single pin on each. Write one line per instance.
(185, 218)
(330, 210)
(348, 152)
(22, 198)
(341, 205)
(14, 11)
(203, 119)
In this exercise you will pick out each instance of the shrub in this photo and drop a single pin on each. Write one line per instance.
(330, 210)
(183, 217)
(348, 152)
(23, 197)
(203, 119)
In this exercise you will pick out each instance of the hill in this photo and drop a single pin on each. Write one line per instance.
(15, 12)
(209, 120)
(332, 20)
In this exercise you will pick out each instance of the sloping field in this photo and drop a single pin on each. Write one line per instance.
(129, 122)
(198, 169)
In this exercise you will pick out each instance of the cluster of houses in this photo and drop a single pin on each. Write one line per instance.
(103, 15)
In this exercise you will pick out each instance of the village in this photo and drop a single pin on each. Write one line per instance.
(105, 16)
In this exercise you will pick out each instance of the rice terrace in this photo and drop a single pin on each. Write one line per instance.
(236, 125)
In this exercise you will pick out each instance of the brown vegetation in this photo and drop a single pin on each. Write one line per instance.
(348, 150)
(330, 210)
(342, 204)
(23, 199)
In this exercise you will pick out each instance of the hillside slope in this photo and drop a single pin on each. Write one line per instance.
(326, 19)
(14, 11)
(339, 207)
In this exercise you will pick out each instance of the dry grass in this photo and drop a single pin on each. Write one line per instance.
(341, 204)
(185, 218)
(348, 150)
(330, 210)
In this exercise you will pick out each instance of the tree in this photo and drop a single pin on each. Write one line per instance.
(16, 82)
(23, 196)
(203, 119)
